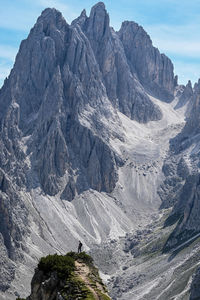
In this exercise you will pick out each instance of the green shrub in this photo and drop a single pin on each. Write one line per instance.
(84, 257)
(63, 264)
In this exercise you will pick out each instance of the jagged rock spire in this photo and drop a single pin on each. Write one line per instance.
(98, 23)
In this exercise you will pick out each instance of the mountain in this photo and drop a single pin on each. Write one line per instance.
(185, 146)
(154, 70)
(99, 143)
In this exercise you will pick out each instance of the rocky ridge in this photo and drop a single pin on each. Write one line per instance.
(185, 170)
(122, 86)
(154, 70)
(71, 276)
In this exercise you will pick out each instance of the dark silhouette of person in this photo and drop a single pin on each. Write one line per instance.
(79, 247)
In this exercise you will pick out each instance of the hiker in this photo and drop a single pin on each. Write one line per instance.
(79, 247)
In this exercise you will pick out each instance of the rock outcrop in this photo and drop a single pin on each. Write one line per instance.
(175, 171)
(190, 133)
(181, 185)
(186, 96)
(194, 290)
(72, 276)
(154, 70)
(185, 213)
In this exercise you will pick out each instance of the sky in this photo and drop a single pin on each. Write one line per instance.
(173, 25)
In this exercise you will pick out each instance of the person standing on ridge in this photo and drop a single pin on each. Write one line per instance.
(79, 247)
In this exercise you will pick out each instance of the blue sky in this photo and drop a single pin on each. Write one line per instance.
(173, 25)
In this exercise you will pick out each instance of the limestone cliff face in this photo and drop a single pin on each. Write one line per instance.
(190, 133)
(122, 87)
(13, 213)
(55, 77)
(184, 179)
(194, 291)
(186, 212)
(154, 70)
(186, 96)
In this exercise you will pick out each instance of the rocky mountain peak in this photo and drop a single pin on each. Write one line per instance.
(100, 6)
(60, 72)
(81, 19)
(154, 70)
(186, 96)
(49, 18)
(98, 22)
(197, 87)
(132, 28)
(176, 81)
(189, 84)
(50, 13)
(83, 13)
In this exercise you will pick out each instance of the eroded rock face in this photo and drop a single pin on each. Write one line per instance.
(186, 212)
(7, 266)
(184, 192)
(195, 292)
(122, 87)
(190, 133)
(71, 148)
(186, 96)
(154, 70)
(58, 76)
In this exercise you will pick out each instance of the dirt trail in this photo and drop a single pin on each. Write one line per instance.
(82, 270)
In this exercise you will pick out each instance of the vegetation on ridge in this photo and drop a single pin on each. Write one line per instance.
(73, 276)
